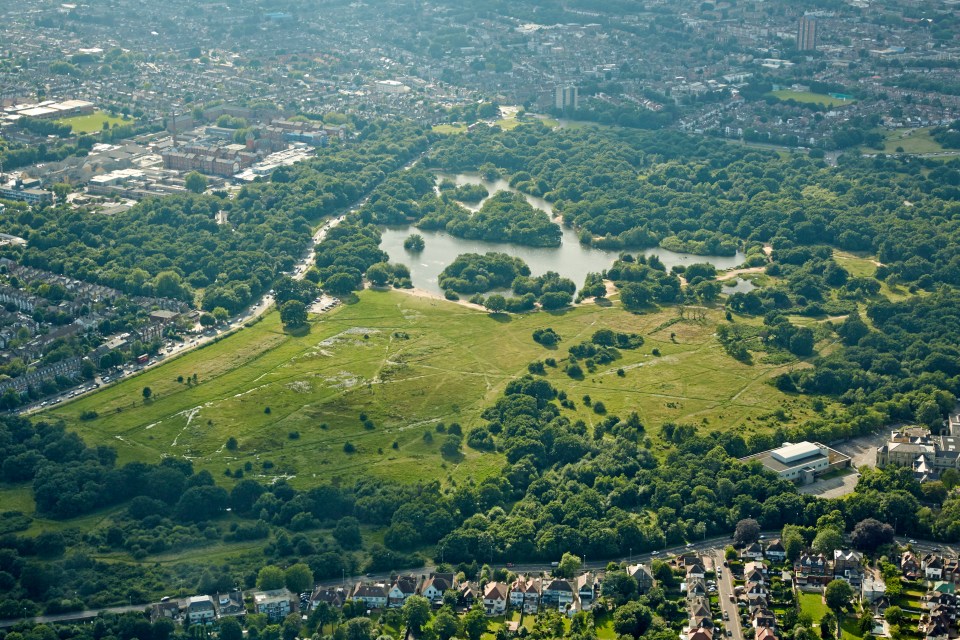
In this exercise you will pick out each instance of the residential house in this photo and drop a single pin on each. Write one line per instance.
(276, 604)
(696, 588)
(932, 566)
(402, 588)
(525, 594)
(587, 587)
(753, 574)
(755, 591)
(332, 597)
(909, 566)
(934, 627)
(495, 597)
(848, 565)
(373, 596)
(700, 633)
(557, 593)
(752, 552)
(762, 618)
(169, 610)
(468, 594)
(200, 610)
(951, 570)
(812, 569)
(775, 551)
(696, 570)
(642, 574)
(700, 616)
(435, 584)
(872, 588)
(754, 566)
(230, 604)
(766, 633)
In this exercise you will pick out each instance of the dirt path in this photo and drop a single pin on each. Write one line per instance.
(733, 273)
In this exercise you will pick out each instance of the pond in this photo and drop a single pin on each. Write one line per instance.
(571, 259)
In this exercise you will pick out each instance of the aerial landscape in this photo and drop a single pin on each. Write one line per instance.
(435, 320)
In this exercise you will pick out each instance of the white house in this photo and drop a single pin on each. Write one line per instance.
(495, 596)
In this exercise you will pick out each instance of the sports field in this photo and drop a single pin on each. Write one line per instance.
(405, 364)
(93, 122)
(807, 96)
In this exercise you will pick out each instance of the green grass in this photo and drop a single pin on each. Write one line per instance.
(16, 498)
(448, 129)
(812, 603)
(807, 96)
(94, 122)
(604, 627)
(850, 629)
(455, 363)
(864, 266)
(911, 141)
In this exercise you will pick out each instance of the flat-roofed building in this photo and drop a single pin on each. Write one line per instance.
(800, 462)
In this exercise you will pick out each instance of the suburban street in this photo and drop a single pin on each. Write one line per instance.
(724, 593)
(712, 548)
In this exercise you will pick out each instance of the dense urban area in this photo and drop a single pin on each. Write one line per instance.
(436, 320)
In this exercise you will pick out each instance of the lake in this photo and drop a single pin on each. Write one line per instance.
(571, 259)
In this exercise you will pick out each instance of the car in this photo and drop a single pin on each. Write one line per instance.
(509, 565)
(689, 545)
(726, 615)
(762, 536)
(911, 542)
(729, 633)
(654, 553)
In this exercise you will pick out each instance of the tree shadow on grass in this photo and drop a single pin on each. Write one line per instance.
(500, 317)
(350, 298)
(558, 312)
(602, 302)
(297, 332)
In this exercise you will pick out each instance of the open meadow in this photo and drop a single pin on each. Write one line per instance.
(378, 375)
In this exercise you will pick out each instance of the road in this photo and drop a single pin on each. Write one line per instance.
(724, 593)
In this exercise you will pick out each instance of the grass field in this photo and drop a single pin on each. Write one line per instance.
(94, 122)
(812, 603)
(409, 363)
(862, 266)
(911, 141)
(807, 96)
(448, 129)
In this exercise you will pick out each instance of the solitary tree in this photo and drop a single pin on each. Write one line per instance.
(195, 182)
(270, 577)
(293, 313)
(416, 613)
(298, 578)
(747, 531)
(147, 393)
(837, 595)
(569, 565)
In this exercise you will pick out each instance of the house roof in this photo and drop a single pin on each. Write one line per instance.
(495, 591)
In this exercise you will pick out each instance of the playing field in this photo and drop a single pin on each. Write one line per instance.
(406, 363)
(807, 96)
(94, 122)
